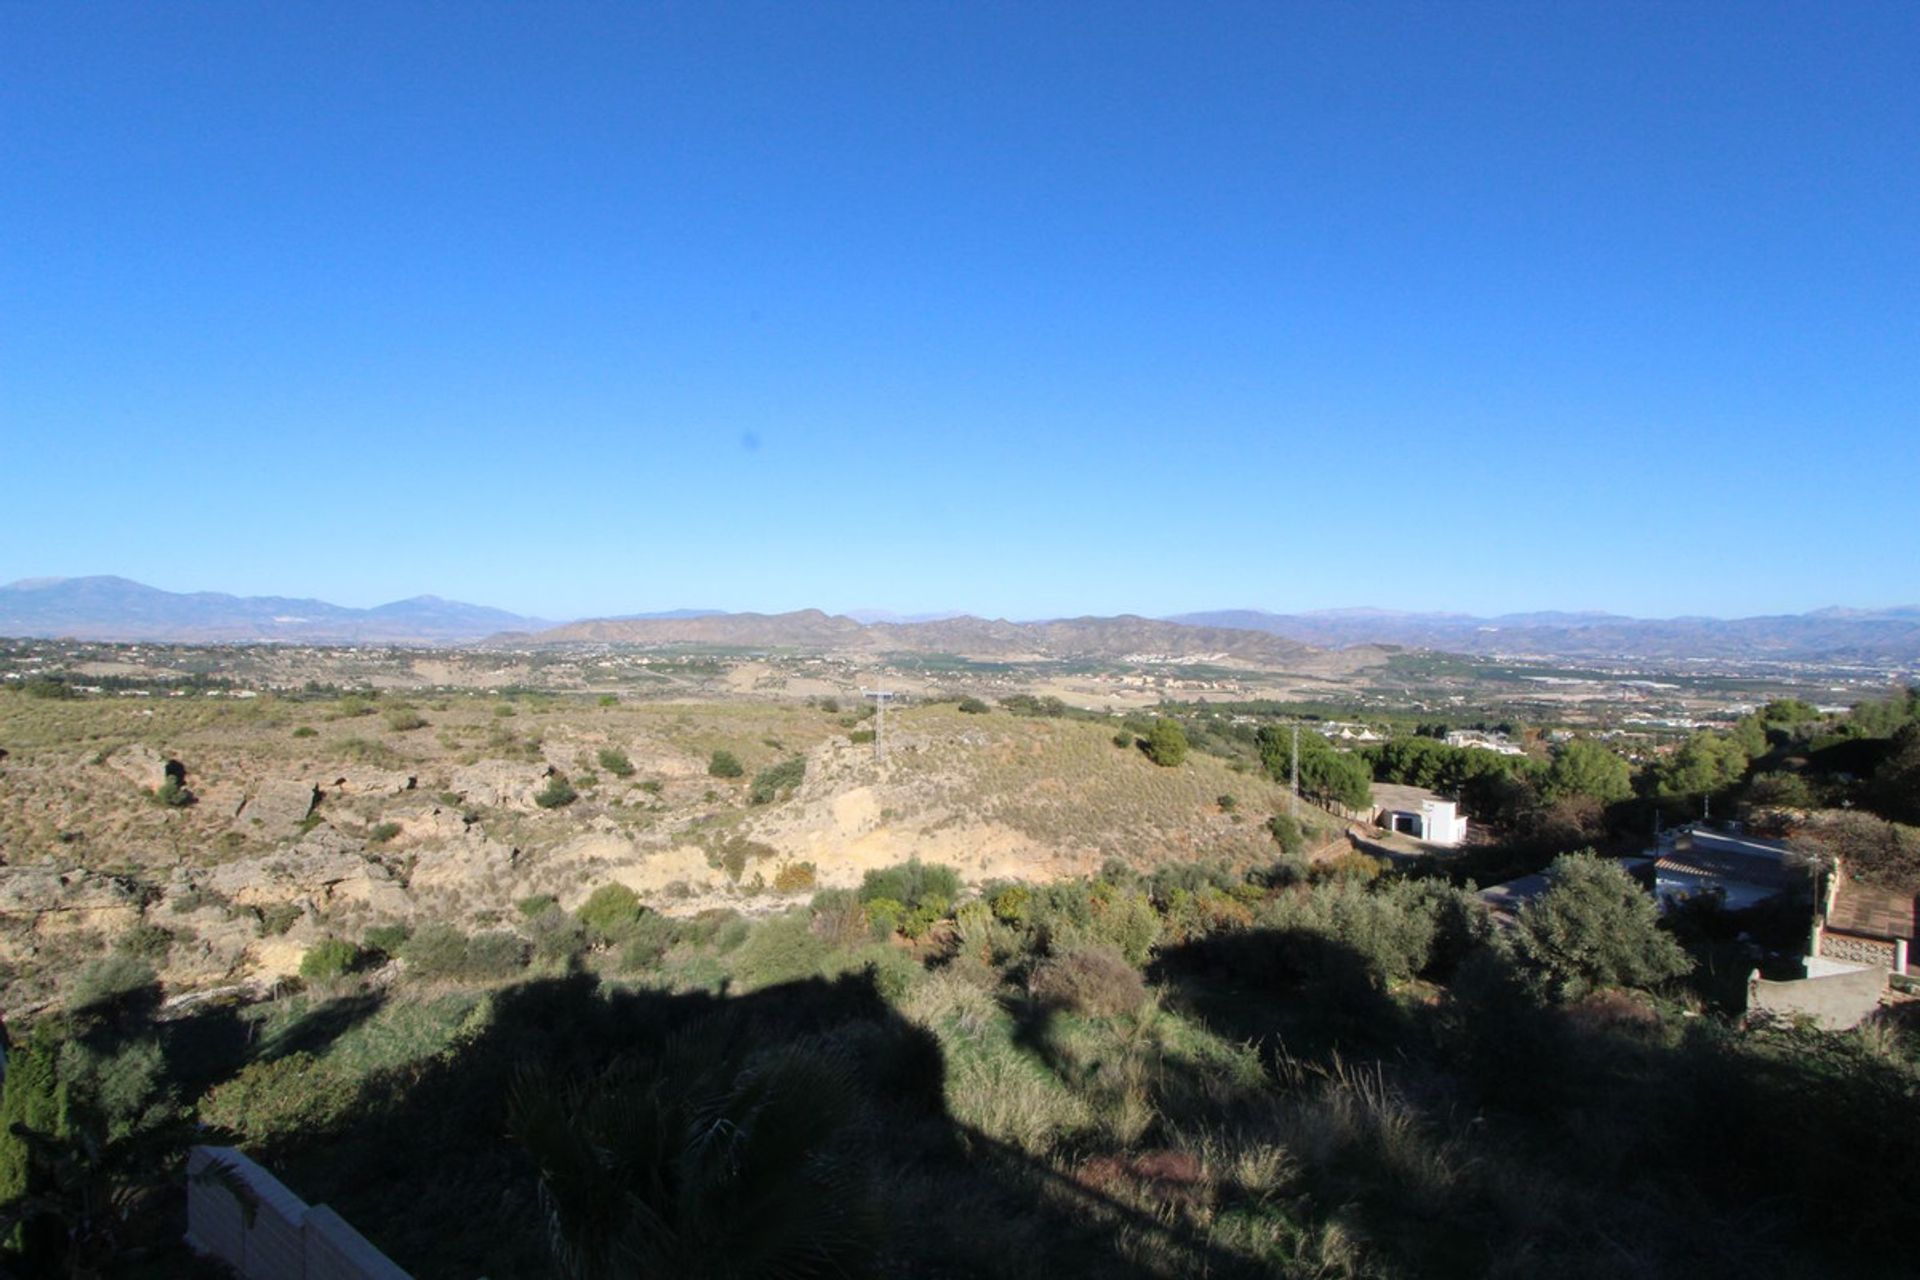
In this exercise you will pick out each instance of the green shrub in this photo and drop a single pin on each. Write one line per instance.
(770, 783)
(496, 954)
(860, 737)
(329, 958)
(386, 939)
(383, 832)
(1287, 833)
(436, 951)
(974, 706)
(911, 883)
(1124, 740)
(609, 912)
(298, 1096)
(108, 980)
(537, 905)
(646, 941)
(615, 762)
(1096, 981)
(609, 700)
(557, 794)
(172, 793)
(148, 942)
(556, 937)
(724, 764)
(1227, 803)
(1011, 904)
(779, 949)
(884, 915)
(1594, 927)
(306, 731)
(405, 720)
(1167, 743)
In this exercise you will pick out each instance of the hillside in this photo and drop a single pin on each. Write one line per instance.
(327, 817)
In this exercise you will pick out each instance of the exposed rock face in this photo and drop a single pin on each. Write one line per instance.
(277, 807)
(47, 901)
(141, 765)
(499, 783)
(368, 782)
(323, 868)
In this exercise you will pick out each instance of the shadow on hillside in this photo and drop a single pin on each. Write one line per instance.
(1289, 991)
(427, 1169)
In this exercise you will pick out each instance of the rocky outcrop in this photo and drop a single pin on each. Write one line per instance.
(324, 868)
(368, 782)
(48, 900)
(276, 807)
(501, 784)
(141, 765)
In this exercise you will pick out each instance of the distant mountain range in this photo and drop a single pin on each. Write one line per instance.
(107, 608)
(1872, 636)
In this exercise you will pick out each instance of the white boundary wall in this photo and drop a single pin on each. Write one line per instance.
(287, 1239)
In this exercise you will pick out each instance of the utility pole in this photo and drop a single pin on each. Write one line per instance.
(880, 699)
(1293, 801)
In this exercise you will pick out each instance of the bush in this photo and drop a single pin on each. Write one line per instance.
(442, 951)
(884, 916)
(148, 942)
(771, 782)
(295, 1096)
(405, 720)
(615, 762)
(557, 794)
(1096, 981)
(306, 731)
(107, 981)
(911, 883)
(646, 941)
(382, 833)
(1287, 833)
(795, 877)
(537, 905)
(556, 937)
(1166, 743)
(278, 918)
(1593, 928)
(974, 706)
(609, 912)
(780, 949)
(1011, 904)
(725, 764)
(329, 958)
(386, 939)
(173, 793)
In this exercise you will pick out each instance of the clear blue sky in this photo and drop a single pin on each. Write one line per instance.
(1022, 309)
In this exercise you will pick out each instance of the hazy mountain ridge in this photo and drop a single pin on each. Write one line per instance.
(1833, 635)
(111, 608)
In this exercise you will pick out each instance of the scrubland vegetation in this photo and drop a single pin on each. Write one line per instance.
(1232, 1051)
(1305, 1070)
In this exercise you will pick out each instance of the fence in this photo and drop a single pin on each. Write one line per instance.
(274, 1234)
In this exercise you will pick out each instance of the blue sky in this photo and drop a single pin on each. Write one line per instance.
(1021, 309)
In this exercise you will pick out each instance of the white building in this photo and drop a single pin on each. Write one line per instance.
(1426, 817)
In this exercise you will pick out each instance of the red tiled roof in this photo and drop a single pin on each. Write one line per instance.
(1874, 913)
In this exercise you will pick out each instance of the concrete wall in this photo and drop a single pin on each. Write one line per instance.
(1836, 996)
(286, 1239)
